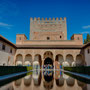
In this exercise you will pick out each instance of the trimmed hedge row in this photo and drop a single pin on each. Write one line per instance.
(79, 69)
(5, 70)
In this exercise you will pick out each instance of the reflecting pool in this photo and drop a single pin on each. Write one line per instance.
(47, 80)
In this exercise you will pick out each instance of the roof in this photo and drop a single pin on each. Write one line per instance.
(86, 45)
(7, 41)
(44, 46)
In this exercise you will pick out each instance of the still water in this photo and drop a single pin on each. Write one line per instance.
(48, 80)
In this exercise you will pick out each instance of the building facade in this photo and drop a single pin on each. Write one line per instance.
(48, 39)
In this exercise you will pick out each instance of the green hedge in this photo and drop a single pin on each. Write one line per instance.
(79, 69)
(5, 70)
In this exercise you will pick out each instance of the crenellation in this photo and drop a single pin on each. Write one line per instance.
(53, 19)
(31, 19)
(60, 18)
(42, 18)
(65, 18)
(47, 19)
(35, 18)
(57, 18)
(38, 18)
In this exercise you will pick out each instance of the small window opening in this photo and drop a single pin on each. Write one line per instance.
(60, 36)
(20, 38)
(10, 50)
(48, 38)
(3, 47)
(78, 38)
(88, 51)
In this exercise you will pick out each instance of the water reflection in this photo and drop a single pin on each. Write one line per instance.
(49, 80)
(83, 80)
(37, 77)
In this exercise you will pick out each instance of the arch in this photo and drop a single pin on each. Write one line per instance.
(48, 61)
(19, 59)
(65, 64)
(18, 82)
(36, 65)
(70, 81)
(79, 60)
(69, 59)
(27, 80)
(38, 58)
(19, 62)
(28, 60)
(59, 58)
(48, 54)
(58, 61)
(60, 81)
(81, 84)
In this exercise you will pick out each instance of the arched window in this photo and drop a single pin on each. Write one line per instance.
(60, 37)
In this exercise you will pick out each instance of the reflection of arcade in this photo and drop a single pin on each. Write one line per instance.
(37, 77)
(48, 77)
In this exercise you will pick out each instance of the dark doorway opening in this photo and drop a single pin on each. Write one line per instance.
(48, 61)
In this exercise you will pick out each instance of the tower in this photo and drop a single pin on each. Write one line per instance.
(48, 29)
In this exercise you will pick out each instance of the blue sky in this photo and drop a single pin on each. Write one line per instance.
(15, 15)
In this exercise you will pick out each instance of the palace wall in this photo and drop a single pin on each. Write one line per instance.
(6, 55)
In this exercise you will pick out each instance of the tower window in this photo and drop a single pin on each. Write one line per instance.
(60, 36)
(88, 51)
(10, 50)
(20, 38)
(48, 38)
(3, 47)
(78, 38)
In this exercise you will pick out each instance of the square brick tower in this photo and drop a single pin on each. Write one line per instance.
(48, 29)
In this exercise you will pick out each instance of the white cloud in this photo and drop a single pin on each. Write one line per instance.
(86, 32)
(86, 27)
(8, 26)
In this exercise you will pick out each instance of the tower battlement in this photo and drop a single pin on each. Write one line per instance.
(48, 19)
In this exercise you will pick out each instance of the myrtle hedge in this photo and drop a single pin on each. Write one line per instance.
(5, 70)
(79, 69)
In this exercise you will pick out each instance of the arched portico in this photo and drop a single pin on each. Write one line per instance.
(79, 60)
(28, 60)
(69, 59)
(59, 61)
(19, 60)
